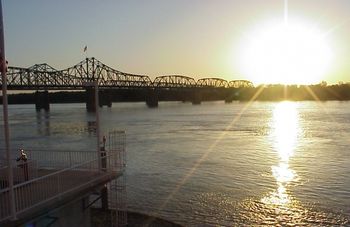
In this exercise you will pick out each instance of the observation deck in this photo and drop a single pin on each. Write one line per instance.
(50, 179)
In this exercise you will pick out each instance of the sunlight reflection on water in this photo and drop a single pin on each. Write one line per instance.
(285, 129)
(281, 164)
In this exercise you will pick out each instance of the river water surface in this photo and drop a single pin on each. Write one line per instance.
(239, 164)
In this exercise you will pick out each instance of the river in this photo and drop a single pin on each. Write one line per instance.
(241, 164)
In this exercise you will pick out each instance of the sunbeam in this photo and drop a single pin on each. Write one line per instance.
(210, 149)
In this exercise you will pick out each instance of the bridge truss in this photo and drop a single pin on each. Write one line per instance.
(45, 77)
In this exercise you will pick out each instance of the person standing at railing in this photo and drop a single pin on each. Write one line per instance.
(23, 164)
(103, 153)
(103, 143)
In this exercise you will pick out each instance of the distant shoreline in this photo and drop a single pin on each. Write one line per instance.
(320, 92)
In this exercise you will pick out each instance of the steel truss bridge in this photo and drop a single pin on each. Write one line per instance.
(45, 77)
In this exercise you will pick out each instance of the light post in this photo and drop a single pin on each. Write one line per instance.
(95, 85)
(3, 67)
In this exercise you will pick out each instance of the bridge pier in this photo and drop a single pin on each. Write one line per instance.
(105, 98)
(230, 96)
(42, 100)
(196, 97)
(152, 99)
(90, 99)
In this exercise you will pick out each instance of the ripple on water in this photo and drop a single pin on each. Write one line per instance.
(225, 210)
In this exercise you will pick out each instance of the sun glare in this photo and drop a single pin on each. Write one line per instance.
(285, 53)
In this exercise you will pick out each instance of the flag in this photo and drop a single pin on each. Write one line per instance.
(85, 48)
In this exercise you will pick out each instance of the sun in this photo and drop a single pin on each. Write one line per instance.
(285, 53)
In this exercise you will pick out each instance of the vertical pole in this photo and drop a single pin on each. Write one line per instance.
(5, 113)
(97, 125)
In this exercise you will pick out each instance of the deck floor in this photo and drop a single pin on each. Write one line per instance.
(40, 192)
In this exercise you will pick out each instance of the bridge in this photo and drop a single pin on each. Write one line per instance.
(43, 77)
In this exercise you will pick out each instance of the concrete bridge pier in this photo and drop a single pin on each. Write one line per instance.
(196, 97)
(152, 99)
(230, 96)
(185, 95)
(90, 99)
(105, 98)
(42, 100)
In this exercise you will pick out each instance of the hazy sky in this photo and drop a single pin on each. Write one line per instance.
(196, 38)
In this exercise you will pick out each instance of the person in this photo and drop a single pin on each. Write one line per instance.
(23, 159)
(104, 141)
(103, 144)
(103, 153)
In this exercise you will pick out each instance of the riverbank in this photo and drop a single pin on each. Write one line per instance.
(100, 218)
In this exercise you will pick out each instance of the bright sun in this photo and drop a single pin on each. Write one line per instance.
(285, 53)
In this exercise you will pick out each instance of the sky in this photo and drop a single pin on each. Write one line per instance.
(196, 38)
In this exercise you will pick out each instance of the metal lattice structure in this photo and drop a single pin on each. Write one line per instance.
(174, 81)
(212, 83)
(91, 69)
(240, 83)
(117, 200)
(45, 77)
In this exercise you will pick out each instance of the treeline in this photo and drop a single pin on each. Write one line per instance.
(263, 93)
(54, 97)
(297, 93)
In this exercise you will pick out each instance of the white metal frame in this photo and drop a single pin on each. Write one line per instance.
(37, 191)
(117, 196)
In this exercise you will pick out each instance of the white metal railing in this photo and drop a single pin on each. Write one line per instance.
(117, 197)
(59, 159)
(21, 172)
(52, 174)
(54, 159)
(39, 190)
(116, 144)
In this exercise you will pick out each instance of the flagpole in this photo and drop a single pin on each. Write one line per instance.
(5, 116)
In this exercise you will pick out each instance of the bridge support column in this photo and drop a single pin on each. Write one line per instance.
(230, 95)
(105, 98)
(152, 99)
(90, 99)
(42, 100)
(233, 94)
(196, 97)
